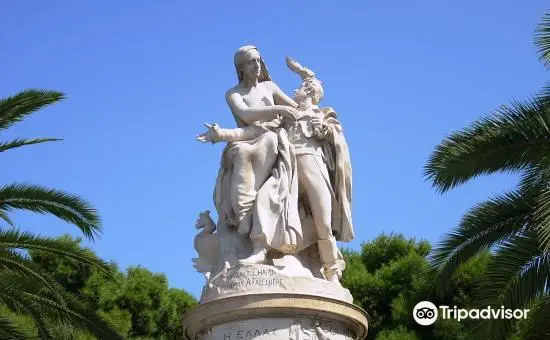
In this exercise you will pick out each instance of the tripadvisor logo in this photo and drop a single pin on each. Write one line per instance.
(426, 313)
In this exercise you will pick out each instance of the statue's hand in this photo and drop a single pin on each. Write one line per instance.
(319, 128)
(210, 136)
(289, 112)
(316, 123)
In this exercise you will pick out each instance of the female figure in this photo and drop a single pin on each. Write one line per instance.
(246, 165)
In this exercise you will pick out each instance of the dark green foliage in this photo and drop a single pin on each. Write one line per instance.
(386, 279)
(400, 333)
(138, 303)
(388, 248)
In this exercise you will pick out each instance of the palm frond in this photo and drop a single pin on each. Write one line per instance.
(15, 108)
(28, 298)
(15, 239)
(18, 264)
(542, 217)
(13, 296)
(534, 179)
(542, 39)
(545, 93)
(517, 274)
(19, 142)
(6, 218)
(10, 331)
(513, 138)
(75, 315)
(484, 226)
(537, 326)
(82, 318)
(515, 278)
(65, 206)
(66, 331)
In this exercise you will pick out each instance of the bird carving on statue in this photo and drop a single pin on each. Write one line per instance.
(206, 244)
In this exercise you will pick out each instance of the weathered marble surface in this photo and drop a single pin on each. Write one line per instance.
(279, 328)
(264, 279)
(275, 316)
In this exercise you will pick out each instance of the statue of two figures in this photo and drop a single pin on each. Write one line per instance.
(283, 191)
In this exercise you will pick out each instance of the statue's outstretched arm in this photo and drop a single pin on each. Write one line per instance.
(216, 134)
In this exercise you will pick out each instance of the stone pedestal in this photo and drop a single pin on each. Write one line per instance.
(260, 302)
(275, 317)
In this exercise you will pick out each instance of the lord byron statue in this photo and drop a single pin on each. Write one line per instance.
(284, 184)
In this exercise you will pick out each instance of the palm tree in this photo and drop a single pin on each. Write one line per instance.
(515, 226)
(23, 288)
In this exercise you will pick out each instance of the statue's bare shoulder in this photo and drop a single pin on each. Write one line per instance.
(264, 94)
(240, 90)
(232, 91)
(234, 96)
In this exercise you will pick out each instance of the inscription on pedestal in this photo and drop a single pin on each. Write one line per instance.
(282, 328)
(246, 334)
(252, 278)
(245, 279)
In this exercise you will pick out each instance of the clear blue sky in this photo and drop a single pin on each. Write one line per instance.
(142, 77)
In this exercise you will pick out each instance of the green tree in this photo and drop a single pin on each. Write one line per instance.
(385, 278)
(24, 290)
(138, 303)
(400, 333)
(515, 225)
(150, 308)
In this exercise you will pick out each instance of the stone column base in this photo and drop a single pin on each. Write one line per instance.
(275, 317)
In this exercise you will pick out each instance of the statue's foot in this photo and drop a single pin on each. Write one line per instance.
(257, 257)
(333, 275)
(334, 279)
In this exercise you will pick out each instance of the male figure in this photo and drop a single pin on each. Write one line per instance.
(309, 134)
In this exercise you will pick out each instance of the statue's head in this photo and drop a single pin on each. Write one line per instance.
(311, 88)
(204, 221)
(249, 64)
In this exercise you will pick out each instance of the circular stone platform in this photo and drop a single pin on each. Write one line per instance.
(275, 316)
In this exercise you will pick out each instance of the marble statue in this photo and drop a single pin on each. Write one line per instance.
(283, 199)
(283, 191)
